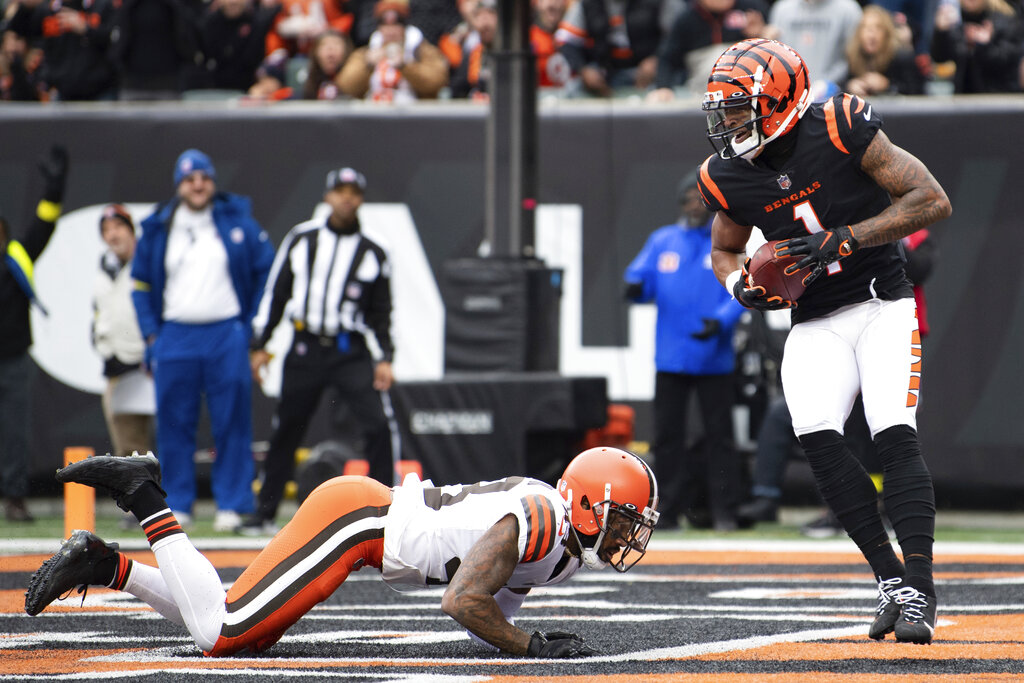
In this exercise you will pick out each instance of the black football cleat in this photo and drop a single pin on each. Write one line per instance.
(888, 611)
(917, 620)
(118, 476)
(73, 566)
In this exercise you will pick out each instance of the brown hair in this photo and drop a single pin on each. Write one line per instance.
(861, 63)
(315, 76)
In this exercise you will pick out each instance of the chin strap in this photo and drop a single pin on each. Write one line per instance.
(590, 558)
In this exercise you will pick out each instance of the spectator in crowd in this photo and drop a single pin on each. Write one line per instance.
(18, 68)
(326, 57)
(129, 400)
(451, 43)
(75, 36)
(693, 356)
(335, 284)
(613, 44)
(199, 271)
(398, 64)
(553, 70)
(154, 44)
(819, 30)
(915, 21)
(232, 35)
(699, 34)
(271, 79)
(17, 293)
(434, 18)
(472, 78)
(299, 22)
(983, 41)
(879, 62)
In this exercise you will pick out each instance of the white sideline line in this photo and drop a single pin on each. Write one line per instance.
(826, 546)
(19, 546)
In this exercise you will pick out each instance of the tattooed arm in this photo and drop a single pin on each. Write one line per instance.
(917, 198)
(469, 598)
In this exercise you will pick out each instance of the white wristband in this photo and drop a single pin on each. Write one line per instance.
(731, 279)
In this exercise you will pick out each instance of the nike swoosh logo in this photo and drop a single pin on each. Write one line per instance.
(867, 114)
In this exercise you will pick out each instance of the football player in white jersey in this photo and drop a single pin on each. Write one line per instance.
(489, 543)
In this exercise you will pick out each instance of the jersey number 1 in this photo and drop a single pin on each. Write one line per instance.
(805, 212)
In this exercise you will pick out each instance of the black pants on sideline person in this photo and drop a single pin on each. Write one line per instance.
(706, 479)
(313, 365)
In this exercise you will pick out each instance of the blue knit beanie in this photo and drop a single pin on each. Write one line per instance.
(192, 160)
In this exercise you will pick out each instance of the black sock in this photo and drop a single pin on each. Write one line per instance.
(849, 492)
(112, 572)
(909, 502)
(146, 501)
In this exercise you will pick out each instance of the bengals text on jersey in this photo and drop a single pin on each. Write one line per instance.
(819, 187)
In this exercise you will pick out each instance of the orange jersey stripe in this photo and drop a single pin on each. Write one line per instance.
(847, 101)
(540, 527)
(705, 178)
(833, 126)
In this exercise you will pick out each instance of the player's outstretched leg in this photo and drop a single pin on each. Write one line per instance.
(120, 477)
(83, 560)
(185, 576)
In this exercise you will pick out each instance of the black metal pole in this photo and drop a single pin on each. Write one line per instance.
(511, 178)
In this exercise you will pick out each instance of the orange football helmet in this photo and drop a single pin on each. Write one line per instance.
(611, 494)
(765, 76)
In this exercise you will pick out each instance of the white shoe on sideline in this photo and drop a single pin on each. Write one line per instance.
(226, 520)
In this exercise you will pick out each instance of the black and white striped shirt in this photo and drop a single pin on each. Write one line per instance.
(328, 284)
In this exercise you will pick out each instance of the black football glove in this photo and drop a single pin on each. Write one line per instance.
(757, 297)
(558, 645)
(818, 249)
(54, 168)
(711, 328)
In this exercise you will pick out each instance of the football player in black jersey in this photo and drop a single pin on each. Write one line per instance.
(826, 181)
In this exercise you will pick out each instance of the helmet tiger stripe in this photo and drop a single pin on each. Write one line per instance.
(767, 76)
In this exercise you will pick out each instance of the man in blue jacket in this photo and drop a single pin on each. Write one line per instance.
(199, 272)
(693, 355)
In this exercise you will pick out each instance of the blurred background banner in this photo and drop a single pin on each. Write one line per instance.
(606, 175)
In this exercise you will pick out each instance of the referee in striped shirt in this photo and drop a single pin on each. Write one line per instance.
(333, 284)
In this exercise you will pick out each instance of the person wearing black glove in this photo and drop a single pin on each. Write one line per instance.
(559, 645)
(754, 297)
(693, 355)
(54, 169)
(819, 250)
(824, 181)
(712, 326)
(17, 294)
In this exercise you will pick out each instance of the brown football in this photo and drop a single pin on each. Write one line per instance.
(767, 270)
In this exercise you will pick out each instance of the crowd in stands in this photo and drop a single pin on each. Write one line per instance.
(406, 50)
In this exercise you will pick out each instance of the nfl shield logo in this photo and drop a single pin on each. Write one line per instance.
(784, 182)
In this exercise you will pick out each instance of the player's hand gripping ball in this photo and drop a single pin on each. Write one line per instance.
(768, 270)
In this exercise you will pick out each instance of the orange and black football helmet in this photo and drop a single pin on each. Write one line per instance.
(764, 76)
(611, 494)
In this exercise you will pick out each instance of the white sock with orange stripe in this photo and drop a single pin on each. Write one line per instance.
(195, 586)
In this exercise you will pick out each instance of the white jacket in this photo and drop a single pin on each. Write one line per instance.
(116, 331)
